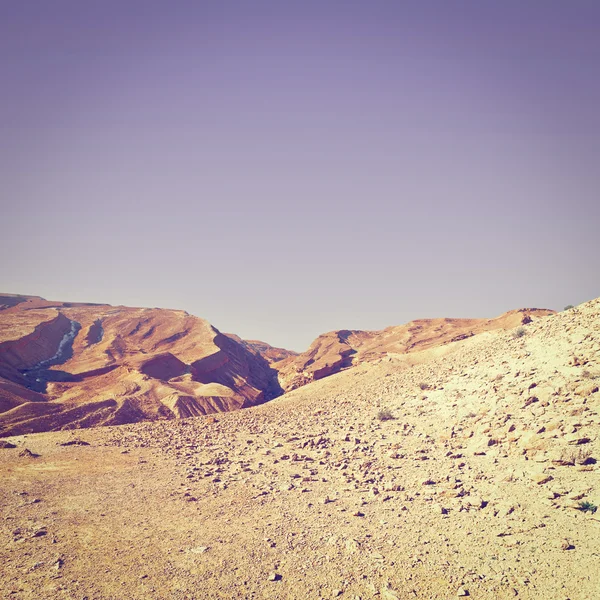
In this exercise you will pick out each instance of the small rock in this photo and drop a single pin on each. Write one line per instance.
(40, 533)
(439, 509)
(574, 439)
(462, 592)
(274, 576)
(5, 444)
(28, 453)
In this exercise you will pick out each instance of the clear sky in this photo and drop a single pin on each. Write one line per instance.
(288, 168)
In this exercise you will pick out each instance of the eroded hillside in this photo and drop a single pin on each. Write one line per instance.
(463, 470)
(337, 350)
(65, 365)
(73, 365)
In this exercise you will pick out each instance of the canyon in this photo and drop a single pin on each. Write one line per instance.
(66, 365)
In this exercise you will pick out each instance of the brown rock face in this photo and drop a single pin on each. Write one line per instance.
(66, 365)
(338, 350)
(270, 353)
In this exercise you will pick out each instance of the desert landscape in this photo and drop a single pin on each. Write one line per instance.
(439, 459)
(300, 300)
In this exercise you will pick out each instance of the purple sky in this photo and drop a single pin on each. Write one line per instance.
(288, 168)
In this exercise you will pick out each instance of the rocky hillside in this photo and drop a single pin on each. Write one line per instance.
(463, 470)
(338, 350)
(65, 365)
(73, 365)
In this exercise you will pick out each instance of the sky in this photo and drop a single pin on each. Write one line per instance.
(283, 169)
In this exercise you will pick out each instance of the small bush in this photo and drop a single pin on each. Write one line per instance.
(424, 386)
(385, 414)
(519, 332)
(586, 506)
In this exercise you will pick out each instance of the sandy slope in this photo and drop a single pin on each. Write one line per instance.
(472, 488)
(338, 350)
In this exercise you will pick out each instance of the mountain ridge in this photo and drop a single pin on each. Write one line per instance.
(76, 365)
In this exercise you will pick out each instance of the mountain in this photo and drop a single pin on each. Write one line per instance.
(75, 365)
(65, 365)
(466, 470)
(338, 350)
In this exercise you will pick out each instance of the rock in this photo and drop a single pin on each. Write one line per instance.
(475, 501)
(5, 444)
(575, 439)
(274, 576)
(586, 390)
(567, 545)
(40, 533)
(28, 453)
(505, 509)
(439, 509)
(462, 592)
(75, 443)
(541, 478)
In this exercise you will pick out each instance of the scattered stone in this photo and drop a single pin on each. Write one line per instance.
(75, 443)
(542, 478)
(40, 533)
(5, 444)
(462, 592)
(567, 545)
(28, 453)
(575, 439)
(274, 576)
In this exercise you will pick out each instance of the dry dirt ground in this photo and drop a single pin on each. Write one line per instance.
(472, 489)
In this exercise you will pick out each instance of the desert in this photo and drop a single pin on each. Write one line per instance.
(299, 300)
(466, 468)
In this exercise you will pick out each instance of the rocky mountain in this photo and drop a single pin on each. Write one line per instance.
(74, 365)
(65, 365)
(466, 470)
(338, 350)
